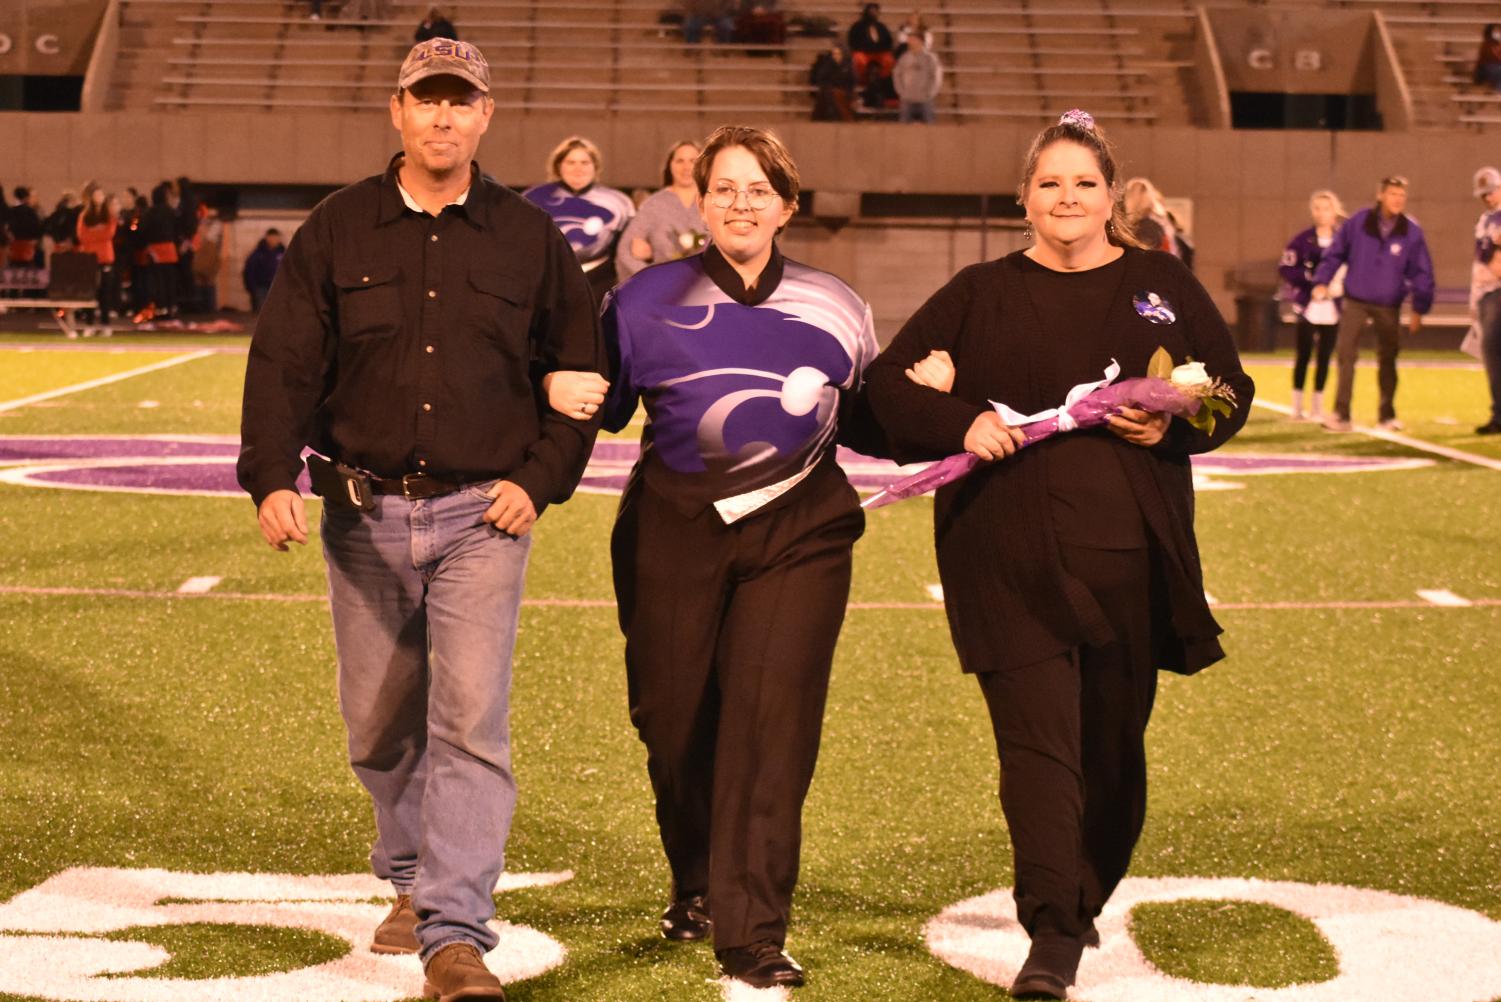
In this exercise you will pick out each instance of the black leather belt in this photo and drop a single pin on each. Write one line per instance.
(415, 486)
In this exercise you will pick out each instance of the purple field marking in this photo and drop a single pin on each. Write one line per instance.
(590, 603)
(164, 464)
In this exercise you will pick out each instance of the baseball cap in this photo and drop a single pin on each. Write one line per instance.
(1487, 180)
(444, 57)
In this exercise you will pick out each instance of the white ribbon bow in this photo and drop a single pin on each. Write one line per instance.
(1066, 420)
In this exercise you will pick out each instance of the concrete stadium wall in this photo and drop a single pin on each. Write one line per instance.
(1249, 190)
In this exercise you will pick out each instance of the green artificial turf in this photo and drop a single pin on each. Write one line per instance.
(1232, 943)
(208, 950)
(1350, 746)
(24, 373)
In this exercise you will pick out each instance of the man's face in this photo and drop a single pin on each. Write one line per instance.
(1393, 199)
(1492, 199)
(441, 120)
(273, 240)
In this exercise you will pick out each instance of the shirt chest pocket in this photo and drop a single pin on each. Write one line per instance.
(369, 301)
(498, 309)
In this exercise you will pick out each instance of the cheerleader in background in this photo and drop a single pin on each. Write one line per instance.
(590, 215)
(1318, 319)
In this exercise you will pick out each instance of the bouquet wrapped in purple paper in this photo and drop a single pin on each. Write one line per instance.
(1185, 391)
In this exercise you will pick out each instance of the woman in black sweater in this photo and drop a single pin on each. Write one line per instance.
(1070, 569)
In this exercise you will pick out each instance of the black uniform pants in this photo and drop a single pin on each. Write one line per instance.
(730, 633)
(1070, 733)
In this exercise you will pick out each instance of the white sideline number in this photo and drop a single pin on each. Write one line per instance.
(1389, 946)
(56, 958)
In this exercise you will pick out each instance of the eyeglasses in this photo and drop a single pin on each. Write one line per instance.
(758, 196)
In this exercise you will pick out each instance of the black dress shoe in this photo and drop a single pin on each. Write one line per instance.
(687, 919)
(1491, 428)
(761, 965)
(1050, 968)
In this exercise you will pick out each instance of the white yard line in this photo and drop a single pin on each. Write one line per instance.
(10, 405)
(198, 586)
(1397, 438)
(935, 592)
(1443, 597)
(604, 603)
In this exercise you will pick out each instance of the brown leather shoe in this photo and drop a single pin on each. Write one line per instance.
(397, 931)
(457, 973)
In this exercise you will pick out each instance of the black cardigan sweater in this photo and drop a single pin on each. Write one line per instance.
(1008, 599)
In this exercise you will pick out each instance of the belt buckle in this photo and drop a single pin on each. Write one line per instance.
(407, 481)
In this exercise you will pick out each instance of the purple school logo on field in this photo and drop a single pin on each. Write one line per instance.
(205, 465)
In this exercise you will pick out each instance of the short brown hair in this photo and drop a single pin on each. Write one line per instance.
(672, 151)
(765, 146)
(567, 146)
(1071, 128)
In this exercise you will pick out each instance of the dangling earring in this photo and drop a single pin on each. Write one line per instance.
(1110, 229)
(1027, 232)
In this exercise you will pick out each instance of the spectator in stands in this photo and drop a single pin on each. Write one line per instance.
(918, 77)
(590, 215)
(436, 24)
(1488, 63)
(61, 225)
(1388, 260)
(870, 45)
(833, 79)
(159, 234)
(914, 25)
(1318, 319)
(716, 14)
(96, 229)
(26, 231)
(1485, 288)
(667, 225)
(260, 267)
(315, 10)
(761, 23)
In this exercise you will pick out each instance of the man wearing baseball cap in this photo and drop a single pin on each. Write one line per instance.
(1485, 288)
(404, 339)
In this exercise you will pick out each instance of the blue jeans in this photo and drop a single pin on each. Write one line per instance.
(1490, 348)
(425, 600)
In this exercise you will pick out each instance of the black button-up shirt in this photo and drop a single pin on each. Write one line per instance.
(400, 342)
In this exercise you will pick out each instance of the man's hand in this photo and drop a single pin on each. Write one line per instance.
(575, 394)
(1321, 292)
(512, 512)
(1414, 323)
(1139, 427)
(283, 518)
(936, 371)
(991, 438)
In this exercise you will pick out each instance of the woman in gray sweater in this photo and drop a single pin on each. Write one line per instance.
(667, 226)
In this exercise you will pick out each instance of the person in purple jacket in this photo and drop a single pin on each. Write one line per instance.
(1318, 320)
(1387, 260)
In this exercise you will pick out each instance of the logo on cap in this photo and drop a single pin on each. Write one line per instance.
(445, 57)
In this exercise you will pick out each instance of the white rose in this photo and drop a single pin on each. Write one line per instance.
(1189, 374)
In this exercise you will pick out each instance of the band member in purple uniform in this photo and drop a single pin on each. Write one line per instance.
(591, 215)
(732, 545)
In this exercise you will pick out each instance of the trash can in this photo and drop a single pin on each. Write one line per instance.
(1256, 321)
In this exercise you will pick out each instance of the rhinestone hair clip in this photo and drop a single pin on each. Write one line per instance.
(1079, 118)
